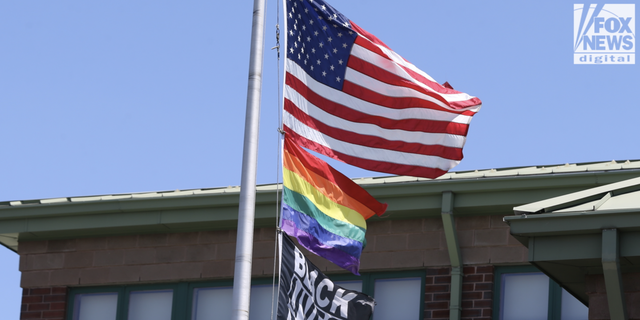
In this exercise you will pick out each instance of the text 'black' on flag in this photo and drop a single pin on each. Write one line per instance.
(307, 294)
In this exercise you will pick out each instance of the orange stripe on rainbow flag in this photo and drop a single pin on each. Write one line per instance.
(330, 182)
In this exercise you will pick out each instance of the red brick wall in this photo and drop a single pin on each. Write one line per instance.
(598, 303)
(477, 293)
(44, 303)
(437, 293)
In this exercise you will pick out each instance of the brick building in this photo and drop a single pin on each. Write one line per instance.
(442, 250)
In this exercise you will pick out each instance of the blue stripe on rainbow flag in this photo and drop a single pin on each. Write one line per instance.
(335, 255)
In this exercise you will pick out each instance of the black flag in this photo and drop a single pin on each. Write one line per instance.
(307, 294)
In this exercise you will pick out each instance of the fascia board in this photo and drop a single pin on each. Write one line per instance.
(567, 247)
(572, 223)
(113, 206)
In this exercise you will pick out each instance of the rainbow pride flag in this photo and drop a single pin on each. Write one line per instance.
(323, 209)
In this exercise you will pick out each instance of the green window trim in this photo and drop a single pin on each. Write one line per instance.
(71, 307)
(555, 291)
(180, 292)
(368, 281)
(183, 291)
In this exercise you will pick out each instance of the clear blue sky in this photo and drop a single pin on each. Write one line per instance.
(131, 96)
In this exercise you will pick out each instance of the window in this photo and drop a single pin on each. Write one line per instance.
(394, 292)
(525, 293)
(214, 300)
(150, 304)
(96, 306)
(398, 295)
(398, 298)
(157, 302)
(212, 303)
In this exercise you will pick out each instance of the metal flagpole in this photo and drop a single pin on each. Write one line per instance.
(246, 210)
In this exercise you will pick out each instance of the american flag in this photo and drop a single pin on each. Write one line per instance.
(350, 97)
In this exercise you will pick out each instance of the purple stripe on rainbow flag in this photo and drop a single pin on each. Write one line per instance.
(335, 255)
(324, 236)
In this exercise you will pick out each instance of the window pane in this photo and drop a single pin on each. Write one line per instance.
(96, 306)
(150, 305)
(351, 285)
(397, 299)
(212, 303)
(572, 308)
(260, 308)
(525, 296)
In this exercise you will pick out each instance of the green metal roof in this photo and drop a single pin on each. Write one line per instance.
(616, 196)
(565, 234)
(476, 174)
(478, 192)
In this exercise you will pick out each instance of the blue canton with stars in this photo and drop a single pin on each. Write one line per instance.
(319, 40)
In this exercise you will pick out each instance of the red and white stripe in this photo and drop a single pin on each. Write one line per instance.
(390, 116)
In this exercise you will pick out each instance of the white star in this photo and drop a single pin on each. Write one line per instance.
(310, 21)
(326, 56)
(340, 61)
(329, 39)
(339, 33)
(295, 44)
(321, 44)
(338, 79)
(350, 32)
(311, 67)
(305, 61)
(295, 4)
(324, 27)
(324, 7)
(306, 10)
(330, 18)
(324, 73)
(331, 68)
(318, 61)
(291, 49)
(315, 33)
(291, 32)
(298, 56)
(344, 45)
(290, 15)
(302, 50)
(346, 24)
(335, 50)
(313, 50)
(335, 25)
(299, 16)
(319, 17)
(304, 27)
(308, 39)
